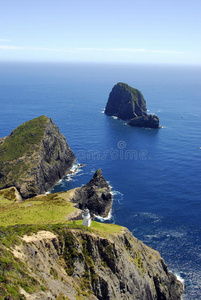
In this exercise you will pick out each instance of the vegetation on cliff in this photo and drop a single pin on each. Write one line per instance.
(34, 157)
(24, 139)
(74, 262)
(43, 209)
(45, 256)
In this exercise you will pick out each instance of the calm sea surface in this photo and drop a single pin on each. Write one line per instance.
(155, 174)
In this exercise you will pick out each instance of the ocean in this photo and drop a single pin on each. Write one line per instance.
(155, 174)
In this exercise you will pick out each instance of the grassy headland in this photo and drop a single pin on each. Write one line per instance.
(21, 140)
(43, 209)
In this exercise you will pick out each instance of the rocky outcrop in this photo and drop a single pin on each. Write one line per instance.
(147, 121)
(95, 195)
(10, 195)
(128, 103)
(34, 157)
(125, 102)
(72, 262)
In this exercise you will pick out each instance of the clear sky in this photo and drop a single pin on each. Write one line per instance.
(125, 31)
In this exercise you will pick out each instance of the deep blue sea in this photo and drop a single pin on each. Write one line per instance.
(155, 174)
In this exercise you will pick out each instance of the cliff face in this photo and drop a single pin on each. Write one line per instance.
(75, 262)
(128, 103)
(125, 102)
(34, 157)
(95, 195)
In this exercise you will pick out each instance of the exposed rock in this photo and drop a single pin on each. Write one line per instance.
(125, 102)
(128, 103)
(11, 194)
(95, 195)
(2, 140)
(148, 121)
(34, 157)
(78, 262)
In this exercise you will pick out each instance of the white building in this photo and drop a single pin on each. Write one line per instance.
(86, 217)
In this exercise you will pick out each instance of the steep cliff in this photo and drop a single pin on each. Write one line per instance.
(95, 195)
(34, 157)
(73, 262)
(128, 103)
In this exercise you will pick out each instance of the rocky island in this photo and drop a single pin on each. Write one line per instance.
(128, 104)
(45, 251)
(34, 157)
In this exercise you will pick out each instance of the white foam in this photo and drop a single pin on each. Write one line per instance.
(115, 118)
(151, 236)
(180, 278)
(74, 171)
(69, 177)
(117, 196)
(114, 193)
(109, 216)
(150, 215)
(75, 167)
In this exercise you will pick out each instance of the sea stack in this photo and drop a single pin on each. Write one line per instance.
(34, 157)
(95, 195)
(128, 104)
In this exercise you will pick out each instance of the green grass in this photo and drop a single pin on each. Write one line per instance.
(101, 229)
(46, 209)
(17, 149)
(7, 197)
(5, 202)
(44, 212)
(22, 139)
(134, 92)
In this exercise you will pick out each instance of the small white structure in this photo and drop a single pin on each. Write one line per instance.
(86, 217)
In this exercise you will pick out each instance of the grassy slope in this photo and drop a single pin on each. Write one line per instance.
(44, 212)
(44, 209)
(7, 197)
(22, 139)
(101, 229)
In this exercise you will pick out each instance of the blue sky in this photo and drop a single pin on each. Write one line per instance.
(126, 31)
